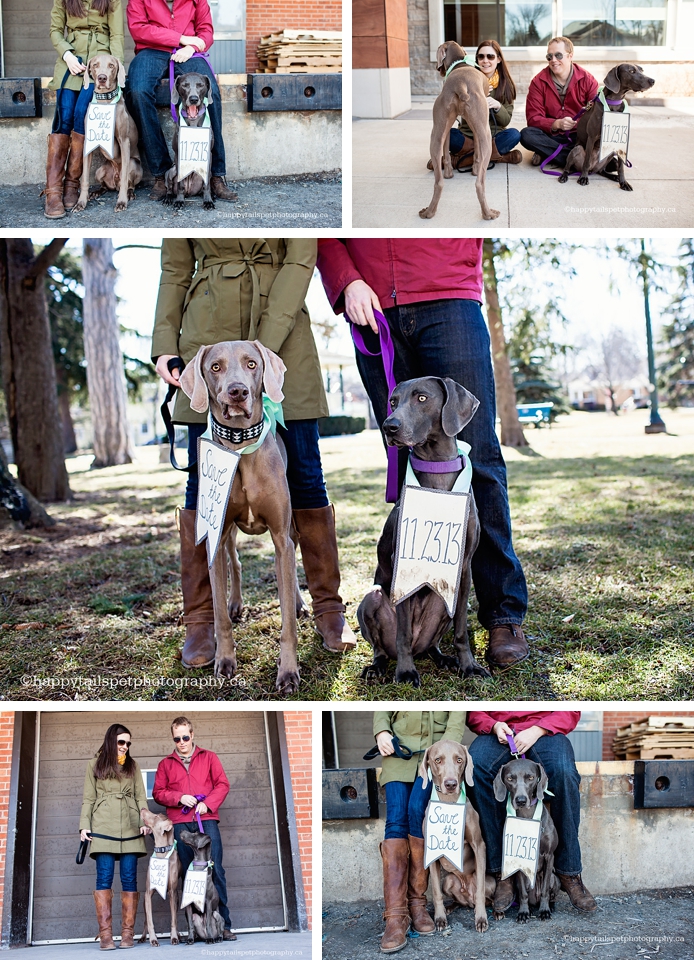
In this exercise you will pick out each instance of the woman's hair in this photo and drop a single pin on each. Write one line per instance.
(506, 91)
(107, 766)
(75, 8)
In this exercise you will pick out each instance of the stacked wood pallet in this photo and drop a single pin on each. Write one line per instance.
(301, 51)
(657, 738)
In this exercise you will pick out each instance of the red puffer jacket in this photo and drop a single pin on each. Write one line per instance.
(204, 776)
(154, 27)
(553, 721)
(402, 271)
(543, 106)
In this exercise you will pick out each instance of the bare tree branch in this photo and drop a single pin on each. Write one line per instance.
(47, 257)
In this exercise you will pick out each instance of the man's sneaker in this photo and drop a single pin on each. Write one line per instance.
(221, 191)
(580, 898)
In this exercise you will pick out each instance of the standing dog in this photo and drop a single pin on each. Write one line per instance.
(124, 171)
(427, 415)
(190, 90)
(208, 925)
(472, 887)
(464, 95)
(526, 782)
(163, 833)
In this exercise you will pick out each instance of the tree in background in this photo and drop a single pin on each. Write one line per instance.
(531, 349)
(64, 295)
(613, 361)
(677, 336)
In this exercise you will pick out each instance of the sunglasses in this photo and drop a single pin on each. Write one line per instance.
(559, 56)
(124, 743)
(178, 739)
(486, 56)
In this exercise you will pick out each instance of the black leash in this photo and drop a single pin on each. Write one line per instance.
(175, 363)
(56, 115)
(84, 844)
(401, 751)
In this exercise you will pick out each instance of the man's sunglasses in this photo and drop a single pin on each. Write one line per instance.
(124, 743)
(486, 56)
(559, 56)
(178, 739)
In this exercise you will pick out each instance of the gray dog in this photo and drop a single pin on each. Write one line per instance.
(427, 415)
(209, 925)
(526, 782)
(190, 90)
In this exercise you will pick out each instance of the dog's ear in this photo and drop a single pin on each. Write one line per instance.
(469, 768)
(459, 408)
(193, 382)
(88, 73)
(542, 785)
(441, 57)
(273, 372)
(121, 74)
(612, 81)
(424, 767)
(175, 95)
(209, 85)
(499, 785)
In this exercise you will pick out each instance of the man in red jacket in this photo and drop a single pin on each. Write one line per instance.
(430, 292)
(541, 736)
(556, 96)
(165, 30)
(185, 775)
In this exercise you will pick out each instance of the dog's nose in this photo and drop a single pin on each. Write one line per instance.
(101, 78)
(193, 98)
(451, 784)
(521, 801)
(391, 426)
(237, 391)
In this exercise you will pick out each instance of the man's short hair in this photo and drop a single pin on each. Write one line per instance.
(568, 45)
(181, 722)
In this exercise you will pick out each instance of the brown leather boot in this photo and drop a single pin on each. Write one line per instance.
(537, 159)
(318, 542)
(395, 871)
(128, 906)
(103, 899)
(513, 156)
(58, 145)
(507, 646)
(198, 610)
(503, 895)
(73, 172)
(463, 158)
(580, 898)
(158, 191)
(220, 190)
(418, 881)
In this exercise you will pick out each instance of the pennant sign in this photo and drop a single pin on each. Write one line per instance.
(444, 830)
(194, 888)
(521, 848)
(193, 151)
(159, 874)
(99, 127)
(615, 135)
(430, 544)
(216, 470)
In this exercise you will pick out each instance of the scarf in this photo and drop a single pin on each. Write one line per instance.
(121, 760)
(494, 80)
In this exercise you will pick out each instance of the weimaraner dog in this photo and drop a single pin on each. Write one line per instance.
(163, 834)
(229, 378)
(448, 762)
(427, 415)
(464, 95)
(124, 171)
(525, 781)
(190, 90)
(208, 924)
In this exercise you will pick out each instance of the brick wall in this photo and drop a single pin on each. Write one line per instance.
(298, 728)
(6, 735)
(275, 15)
(612, 719)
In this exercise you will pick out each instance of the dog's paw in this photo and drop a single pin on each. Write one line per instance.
(167, 199)
(626, 186)
(408, 676)
(178, 204)
(474, 669)
(583, 181)
(190, 940)
(208, 205)
(427, 213)
(375, 670)
(235, 610)
(563, 178)
(523, 916)
(225, 667)
(441, 924)
(121, 206)
(481, 924)
(443, 660)
(491, 214)
(131, 193)
(287, 682)
(545, 914)
(175, 941)
(499, 916)
(79, 206)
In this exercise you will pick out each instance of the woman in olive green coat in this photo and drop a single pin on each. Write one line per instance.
(114, 795)
(404, 878)
(79, 29)
(218, 289)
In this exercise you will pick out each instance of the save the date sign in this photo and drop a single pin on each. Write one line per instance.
(159, 874)
(217, 468)
(99, 127)
(444, 831)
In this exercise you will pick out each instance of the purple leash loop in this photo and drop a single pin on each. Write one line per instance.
(199, 797)
(513, 748)
(198, 53)
(387, 353)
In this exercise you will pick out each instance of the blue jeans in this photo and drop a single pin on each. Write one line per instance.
(545, 144)
(304, 469)
(505, 140)
(556, 755)
(449, 338)
(144, 73)
(106, 866)
(406, 806)
(73, 106)
(185, 855)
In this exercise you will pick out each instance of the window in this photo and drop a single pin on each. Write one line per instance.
(600, 23)
(512, 24)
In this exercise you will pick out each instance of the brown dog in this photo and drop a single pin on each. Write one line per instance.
(124, 171)
(163, 834)
(472, 887)
(229, 378)
(190, 90)
(464, 95)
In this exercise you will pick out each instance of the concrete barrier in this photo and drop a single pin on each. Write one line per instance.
(622, 849)
(269, 144)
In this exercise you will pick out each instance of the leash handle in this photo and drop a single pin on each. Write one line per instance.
(56, 116)
(199, 797)
(198, 53)
(513, 748)
(175, 363)
(402, 752)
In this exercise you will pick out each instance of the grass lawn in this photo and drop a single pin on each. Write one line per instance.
(603, 520)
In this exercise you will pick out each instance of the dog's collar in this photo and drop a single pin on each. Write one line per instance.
(467, 61)
(437, 466)
(168, 850)
(201, 864)
(183, 116)
(462, 481)
(236, 434)
(610, 103)
(112, 96)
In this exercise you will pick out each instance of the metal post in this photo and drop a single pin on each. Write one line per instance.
(656, 424)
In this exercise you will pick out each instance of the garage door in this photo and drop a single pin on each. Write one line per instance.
(63, 905)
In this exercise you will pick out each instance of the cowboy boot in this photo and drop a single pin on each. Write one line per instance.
(418, 882)
(463, 158)
(198, 610)
(103, 899)
(580, 898)
(220, 190)
(394, 855)
(503, 895)
(513, 156)
(58, 145)
(318, 542)
(73, 172)
(128, 907)
(158, 191)
(507, 646)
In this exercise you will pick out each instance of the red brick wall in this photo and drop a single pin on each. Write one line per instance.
(612, 719)
(6, 735)
(298, 728)
(275, 15)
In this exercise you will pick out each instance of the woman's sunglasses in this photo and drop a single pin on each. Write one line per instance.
(559, 56)
(178, 739)
(486, 56)
(124, 743)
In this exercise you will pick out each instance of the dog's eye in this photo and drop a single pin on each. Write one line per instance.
(422, 398)
(252, 364)
(215, 368)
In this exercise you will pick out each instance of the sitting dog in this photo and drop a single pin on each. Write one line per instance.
(525, 782)
(190, 91)
(464, 94)
(427, 414)
(163, 834)
(229, 378)
(208, 925)
(472, 887)
(584, 156)
(124, 171)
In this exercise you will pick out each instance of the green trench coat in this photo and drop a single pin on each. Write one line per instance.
(85, 37)
(417, 730)
(241, 289)
(112, 807)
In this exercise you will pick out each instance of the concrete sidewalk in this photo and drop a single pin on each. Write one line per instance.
(265, 946)
(391, 183)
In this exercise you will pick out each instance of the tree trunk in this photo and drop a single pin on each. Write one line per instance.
(105, 374)
(28, 370)
(511, 431)
(69, 438)
(16, 503)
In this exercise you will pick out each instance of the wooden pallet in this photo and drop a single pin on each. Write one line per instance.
(301, 51)
(665, 737)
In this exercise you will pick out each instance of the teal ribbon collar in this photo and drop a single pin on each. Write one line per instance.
(466, 59)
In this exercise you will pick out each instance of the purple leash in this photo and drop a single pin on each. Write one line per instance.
(574, 173)
(513, 748)
(199, 797)
(198, 53)
(387, 353)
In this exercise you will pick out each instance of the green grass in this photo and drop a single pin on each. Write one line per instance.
(605, 535)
